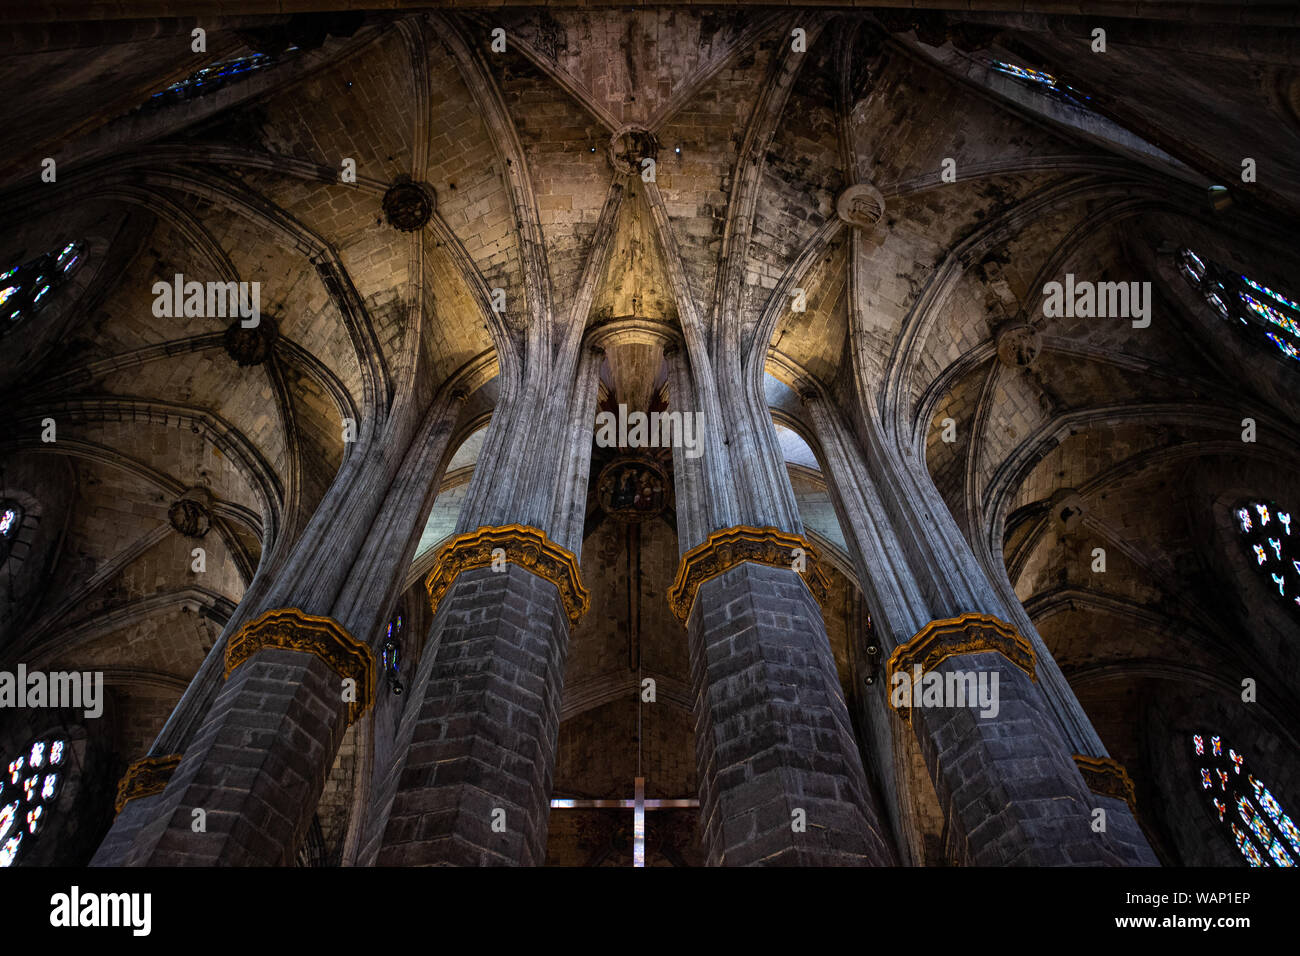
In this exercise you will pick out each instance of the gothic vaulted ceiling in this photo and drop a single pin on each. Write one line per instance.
(1068, 434)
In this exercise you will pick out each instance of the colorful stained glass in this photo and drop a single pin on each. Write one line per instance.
(1246, 847)
(1268, 547)
(28, 286)
(1273, 829)
(1254, 304)
(31, 810)
(8, 520)
(1285, 347)
(1278, 854)
(1269, 292)
(1270, 314)
(1252, 820)
(1199, 744)
(392, 656)
(1044, 82)
(1272, 845)
(9, 850)
(1276, 814)
(214, 77)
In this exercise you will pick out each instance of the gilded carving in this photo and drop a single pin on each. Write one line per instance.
(526, 547)
(145, 777)
(294, 630)
(730, 547)
(1107, 778)
(969, 633)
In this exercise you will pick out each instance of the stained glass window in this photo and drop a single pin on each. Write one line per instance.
(214, 76)
(1268, 837)
(28, 789)
(1236, 297)
(1272, 548)
(1043, 82)
(392, 655)
(11, 519)
(25, 288)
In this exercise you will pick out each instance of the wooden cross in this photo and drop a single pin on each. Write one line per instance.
(638, 805)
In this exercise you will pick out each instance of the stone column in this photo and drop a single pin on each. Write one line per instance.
(891, 594)
(1113, 792)
(1005, 774)
(781, 776)
(689, 479)
(571, 491)
(294, 673)
(473, 784)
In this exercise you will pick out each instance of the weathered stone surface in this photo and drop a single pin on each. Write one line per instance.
(772, 730)
(517, 223)
(474, 786)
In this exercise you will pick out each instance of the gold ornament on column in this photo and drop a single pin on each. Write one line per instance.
(731, 547)
(1107, 778)
(526, 547)
(292, 629)
(969, 633)
(145, 777)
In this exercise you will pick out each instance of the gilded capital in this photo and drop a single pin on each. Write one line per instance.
(145, 777)
(730, 547)
(291, 629)
(1107, 778)
(969, 633)
(526, 547)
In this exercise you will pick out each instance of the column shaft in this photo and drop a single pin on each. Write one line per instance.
(781, 780)
(1004, 775)
(256, 762)
(474, 787)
